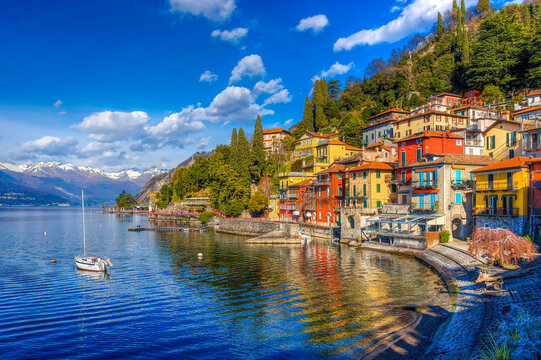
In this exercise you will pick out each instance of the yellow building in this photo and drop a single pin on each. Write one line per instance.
(328, 152)
(503, 140)
(274, 210)
(501, 195)
(368, 185)
(291, 178)
(307, 143)
(429, 120)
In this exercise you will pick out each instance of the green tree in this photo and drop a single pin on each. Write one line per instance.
(334, 89)
(455, 11)
(466, 50)
(534, 72)
(233, 146)
(243, 165)
(258, 153)
(125, 200)
(351, 126)
(440, 30)
(258, 204)
(483, 6)
(492, 94)
(463, 11)
(320, 98)
(308, 115)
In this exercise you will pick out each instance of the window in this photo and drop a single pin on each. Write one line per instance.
(319, 192)
(354, 176)
(364, 189)
(378, 174)
(339, 191)
(511, 153)
(403, 177)
(354, 190)
(418, 141)
(459, 143)
(403, 158)
(419, 153)
(364, 174)
(320, 216)
(379, 134)
(372, 136)
(378, 204)
(364, 204)
(339, 176)
(458, 198)
(378, 187)
(458, 176)
(328, 191)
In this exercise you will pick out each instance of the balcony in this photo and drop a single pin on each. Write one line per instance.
(288, 207)
(293, 196)
(322, 182)
(462, 184)
(425, 185)
(309, 206)
(498, 212)
(497, 186)
(473, 142)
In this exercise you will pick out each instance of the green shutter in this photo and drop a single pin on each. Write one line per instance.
(507, 139)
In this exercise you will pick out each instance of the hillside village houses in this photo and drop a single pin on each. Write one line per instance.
(450, 164)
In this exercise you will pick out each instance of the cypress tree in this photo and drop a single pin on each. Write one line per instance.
(258, 149)
(440, 29)
(308, 115)
(483, 6)
(243, 162)
(234, 149)
(463, 12)
(321, 99)
(466, 50)
(459, 33)
(455, 11)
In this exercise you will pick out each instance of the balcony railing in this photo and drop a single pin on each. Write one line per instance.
(462, 184)
(497, 185)
(425, 185)
(498, 212)
(288, 207)
(321, 182)
(293, 196)
(473, 142)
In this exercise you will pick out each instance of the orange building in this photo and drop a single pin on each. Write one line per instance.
(272, 139)
(329, 191)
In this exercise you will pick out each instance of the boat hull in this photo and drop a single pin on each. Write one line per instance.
(91, 264)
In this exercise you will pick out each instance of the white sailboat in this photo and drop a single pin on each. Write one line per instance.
(90, 263)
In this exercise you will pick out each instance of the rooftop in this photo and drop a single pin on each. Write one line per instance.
(274, 131)
(388, 111)
(373, 165)
(527, 110)
(514, 163)
(460, 159)
(534, 92)
(334, 168)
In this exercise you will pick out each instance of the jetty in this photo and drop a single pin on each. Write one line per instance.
(165, 229)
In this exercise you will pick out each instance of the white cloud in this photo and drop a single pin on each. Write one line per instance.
(49, 146)
(417, 16)
(62, 112)
(270, 87)
(96, 147)
(315, 23)
(58, 103)
(207, 76)
(232, 36)
(280, 97)
(289, 122)
(113, 125)
(234, 103)
(513, 2)
(203, 142)
(250, 66)
(395, 8)
(216, 10)
(335, 69)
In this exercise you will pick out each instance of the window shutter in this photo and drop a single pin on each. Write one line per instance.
(507, 139)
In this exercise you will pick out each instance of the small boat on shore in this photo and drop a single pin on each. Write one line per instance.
(90, 263)
(304, 238)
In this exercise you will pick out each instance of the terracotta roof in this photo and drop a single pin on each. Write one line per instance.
(459, 159)
(379, 143)
(388, 111)
(274, 131)
(530, 109)
(303, 183)
(534, 92)
(517, 162)
(380, 122)
(534, 160)
(469, 107)
(448, 94)
(332, 142)
(373, 165)
(431, 133)
(353, 148)
(318, 134)
(334, 168)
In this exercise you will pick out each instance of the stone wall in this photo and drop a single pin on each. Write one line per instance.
(258, 228)
(517, 224)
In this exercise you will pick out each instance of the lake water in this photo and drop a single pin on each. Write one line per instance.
(161, 301)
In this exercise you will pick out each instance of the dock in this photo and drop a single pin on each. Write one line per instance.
(165, 229)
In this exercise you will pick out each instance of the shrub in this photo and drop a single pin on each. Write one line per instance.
(258, 204)
(444, 236)
(501, 246)
(205, 217)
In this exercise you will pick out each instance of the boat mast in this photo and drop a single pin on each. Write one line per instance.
(84, 236)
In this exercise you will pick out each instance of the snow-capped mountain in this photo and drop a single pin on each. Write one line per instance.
(67, 180)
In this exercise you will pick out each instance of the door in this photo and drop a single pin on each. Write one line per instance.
(493, 205)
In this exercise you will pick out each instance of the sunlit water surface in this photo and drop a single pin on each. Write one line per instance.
(162, 301)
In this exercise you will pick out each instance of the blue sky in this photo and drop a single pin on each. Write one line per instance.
(121, 84)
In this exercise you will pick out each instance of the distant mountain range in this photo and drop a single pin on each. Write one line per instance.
(55, 184)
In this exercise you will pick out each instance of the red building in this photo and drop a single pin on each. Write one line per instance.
(472, 97)
(535, 186)
(329, 190)
(413, 149)
(289, 205)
